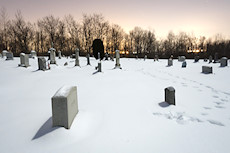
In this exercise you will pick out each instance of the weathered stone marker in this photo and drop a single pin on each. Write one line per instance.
(118, 65)
(170, 62)
(33, 54)
(170, 95)
(9, 56)
(145, 57)
(210, 59)
(77, 57)
(196, 59)
(0, 55)
(42, 63)
(88, 59)
(181, 58)
(106, 56)
(24, 60)
(64, 106)
(206, 69)
(4, 53)
(59, 54)
(52, 56)
(216, 58)
(223, 62)
(184, 64)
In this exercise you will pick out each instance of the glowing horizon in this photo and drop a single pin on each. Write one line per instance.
(199, 17)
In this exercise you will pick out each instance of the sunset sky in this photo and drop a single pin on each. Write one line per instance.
(200, 17)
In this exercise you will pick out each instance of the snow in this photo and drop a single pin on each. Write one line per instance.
(120, 110)
(63, 91)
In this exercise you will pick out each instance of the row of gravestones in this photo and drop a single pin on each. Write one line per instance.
(205, 69)
(65, 105)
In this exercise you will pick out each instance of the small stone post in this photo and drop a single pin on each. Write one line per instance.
(77, 57)
(59, 54)
(52, 56)
(117, 65)
(88, 59)
(170, 95)
(170, 62)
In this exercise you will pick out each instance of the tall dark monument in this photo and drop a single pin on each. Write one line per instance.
(98, 47)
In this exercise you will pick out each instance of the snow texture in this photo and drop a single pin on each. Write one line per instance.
(120, 110)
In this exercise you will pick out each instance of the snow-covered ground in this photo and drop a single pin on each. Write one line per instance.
(120, 110)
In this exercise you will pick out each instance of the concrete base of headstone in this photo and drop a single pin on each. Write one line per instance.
(170, 62)
(206, 69)
(223, 62)
(170, 95)
(9, 56)
(64, 106)
(42, 63)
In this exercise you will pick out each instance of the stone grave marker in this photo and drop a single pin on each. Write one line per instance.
(216, 58)
(210, 59)
(170, 62)
(196, 59)
(4, 53)
(52, 56)
(59, 54)
(88, 59)
(33, 54)
(118, 65)
(77, 57)
(9, 56)
(170, 95)
(64, 106)
(24, 60)
(42, 63)
(156, 57)
(181, 58)
(106, 56)
(206, 69)
(184, 64)
(223, 62)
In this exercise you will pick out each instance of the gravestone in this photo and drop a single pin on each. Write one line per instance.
(111, 57)
(196, 59)
(181, 58)
(156, 57)
(106, 56)
(42, 63)
(24, 60)
(170, 95)
(145, 57)
(59, 54)
(223, 62)
(206, 69)
(64, 106)
(88, 59)
(170, 62)
(33, 54)
(216, 58)
(98, 47)
(117, 65)
(52, 56)
(9, 56)
(210, 59)
(77, 57)
(4, 53)
(184, 64)
(0, 55)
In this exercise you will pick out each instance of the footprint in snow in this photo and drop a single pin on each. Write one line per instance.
(221, 107)
(215, 122)
(215, 96)
(207, 108)
(204, 114)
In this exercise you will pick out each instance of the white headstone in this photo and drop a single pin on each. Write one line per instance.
(33, 53)
(64, 106)
(170, 62)
(117, 65)
(52, 56)
(24, 60)
(59, 54)
(4, 53)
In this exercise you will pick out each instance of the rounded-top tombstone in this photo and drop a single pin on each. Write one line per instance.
(98, 47)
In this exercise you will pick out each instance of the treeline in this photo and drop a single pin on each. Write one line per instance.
(18, 35)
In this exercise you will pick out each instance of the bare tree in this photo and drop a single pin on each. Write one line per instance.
(4, 24)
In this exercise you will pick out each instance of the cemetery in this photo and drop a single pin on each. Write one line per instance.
(69, 108)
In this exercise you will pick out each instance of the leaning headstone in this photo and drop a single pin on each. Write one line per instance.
(64, 106)
(210, 59)
(77, 57)
(24, 60)
(88, 59)
(111, 57)
(206, 69)
(59, 54)
(170, 62)
(42, 63)
(170, 95)
(223, 62)
(184, 64)
(118, 65)
(52, 56)
(33, 54)
(196, 59)
(9, 56)
(181, 58)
